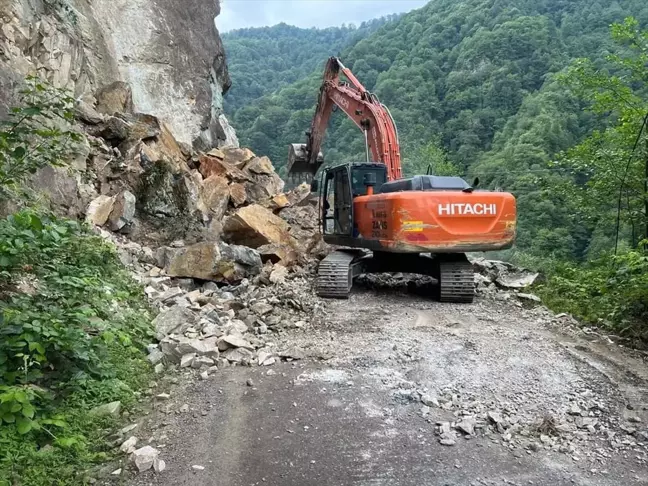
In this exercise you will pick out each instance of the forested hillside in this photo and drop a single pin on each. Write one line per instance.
(537, 97)
(263, 60)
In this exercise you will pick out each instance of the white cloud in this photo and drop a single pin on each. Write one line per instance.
(236, 14)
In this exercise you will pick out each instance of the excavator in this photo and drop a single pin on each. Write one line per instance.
(382, 222)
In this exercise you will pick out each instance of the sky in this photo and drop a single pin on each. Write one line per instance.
(236, 14)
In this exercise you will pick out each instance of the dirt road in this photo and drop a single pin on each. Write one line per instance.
(390, 378)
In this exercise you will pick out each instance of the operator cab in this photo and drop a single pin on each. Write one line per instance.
(347, 181)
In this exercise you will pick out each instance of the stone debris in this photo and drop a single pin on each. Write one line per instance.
(144, 458)
(99, 210)
(129, 445)
(227, 257)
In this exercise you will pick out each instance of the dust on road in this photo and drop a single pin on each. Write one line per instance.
(390, 376)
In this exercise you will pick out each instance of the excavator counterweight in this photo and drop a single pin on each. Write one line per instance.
(384, 223)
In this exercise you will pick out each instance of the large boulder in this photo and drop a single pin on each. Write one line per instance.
(237, 157)
(213, 261)
(256, 226)
(263, 187)
(215, 196)
(210, 165)
(260, 166)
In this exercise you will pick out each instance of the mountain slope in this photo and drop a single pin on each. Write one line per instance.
(262, 60)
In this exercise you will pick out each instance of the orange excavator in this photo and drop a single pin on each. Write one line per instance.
(423, 224)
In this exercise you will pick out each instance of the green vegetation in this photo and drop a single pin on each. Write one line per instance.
(73, 324)
(262, 60)
(534, 97)
(38, 134)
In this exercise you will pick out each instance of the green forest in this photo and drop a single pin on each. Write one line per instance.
(542, 98)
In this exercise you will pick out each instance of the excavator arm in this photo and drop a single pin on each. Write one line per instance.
(366, 111)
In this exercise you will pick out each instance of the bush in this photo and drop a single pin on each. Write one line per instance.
(39, 133)
(611, 291)
(73, 326)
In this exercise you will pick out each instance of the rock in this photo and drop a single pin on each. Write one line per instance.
(574, 410)
(108, 409)
(215, 197)
(260, 165)
(128, 446)
(265, 358)
(467, 425)
(447, 442)
(123, 211)
(278, 274)
(239, 355)
(175, 320)
(202, 362)
(529, 297)
(99, 210)
(293, 353)
(187, 360)
(155, 356)
(198, 347)
(261, 308)
(234, 341)
(279, 201)
(216, 152)
(144, 458)
(263, 187)
(115, 98)
(159, 369)
(237, 193)
(214, 261)
(299, 194)
(204, 375)
(237, 157)
(198, 468)
(238, 262)
(159, 465)
(517, 280)
(163, 396)
(170, 294)
(429, 400)
(494, 417)
(286, 255)
(256, 226)
(116, 472)
(114, 130)
(210, 166)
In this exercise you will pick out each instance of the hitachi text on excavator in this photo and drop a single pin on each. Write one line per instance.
(382, 222)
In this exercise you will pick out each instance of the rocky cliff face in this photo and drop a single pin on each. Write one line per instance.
(168, 51)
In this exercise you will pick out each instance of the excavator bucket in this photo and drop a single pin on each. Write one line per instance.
(299, 167)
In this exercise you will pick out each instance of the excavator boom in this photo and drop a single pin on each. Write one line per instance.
(361, 106)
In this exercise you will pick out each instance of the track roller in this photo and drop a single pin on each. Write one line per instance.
(456, 281)
(336, 272)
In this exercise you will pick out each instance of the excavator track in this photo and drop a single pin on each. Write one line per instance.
(335, 274)
(456, 281)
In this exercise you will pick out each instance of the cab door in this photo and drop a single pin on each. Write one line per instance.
(337, 206)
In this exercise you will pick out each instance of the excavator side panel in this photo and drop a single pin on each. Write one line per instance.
(434, 221)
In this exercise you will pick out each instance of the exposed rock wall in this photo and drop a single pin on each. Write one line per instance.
(168, 51)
